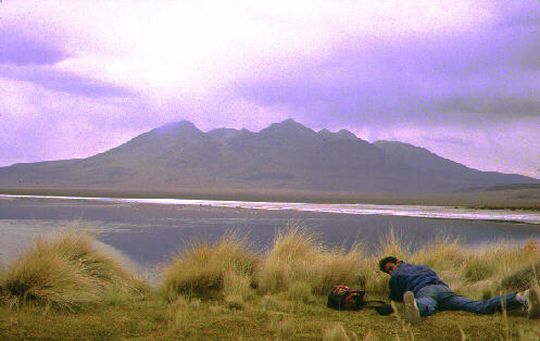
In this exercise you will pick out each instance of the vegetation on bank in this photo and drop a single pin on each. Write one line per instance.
(67, 273)
(65, 288)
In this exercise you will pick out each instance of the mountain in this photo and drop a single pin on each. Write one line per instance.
(283, 156)
(343, 134)
(431, 163)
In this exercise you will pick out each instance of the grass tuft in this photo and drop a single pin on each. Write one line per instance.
(67, 273)
(201, 270)
(293, 278)
(300, 292)
(298, 257)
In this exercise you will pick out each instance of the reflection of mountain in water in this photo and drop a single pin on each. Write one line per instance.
(284, 156)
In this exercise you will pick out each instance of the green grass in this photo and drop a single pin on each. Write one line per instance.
(212, 320)
(223, 291)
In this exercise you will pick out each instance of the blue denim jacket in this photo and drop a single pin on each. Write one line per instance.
(410, 277)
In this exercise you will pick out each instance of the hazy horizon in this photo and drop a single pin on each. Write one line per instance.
(459, 79)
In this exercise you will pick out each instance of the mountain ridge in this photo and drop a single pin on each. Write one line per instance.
(285, 155)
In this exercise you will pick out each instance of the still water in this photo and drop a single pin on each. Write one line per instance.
(147, 232)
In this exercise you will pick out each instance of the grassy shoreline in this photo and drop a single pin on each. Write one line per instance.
(226, 291)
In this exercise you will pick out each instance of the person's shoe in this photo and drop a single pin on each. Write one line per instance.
(533, 302)
(410, 309)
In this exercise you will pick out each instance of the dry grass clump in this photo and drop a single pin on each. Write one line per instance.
(394, 245)
(298, 257)
(522, 268)
(500, 267)
(444, 254)
(478, 268)
(522, 278)
(237, 288)
(474, 272)
(300, 292)
(67, 273)
(337, 267)
(201, 270)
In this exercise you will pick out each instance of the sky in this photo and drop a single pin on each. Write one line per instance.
(460, 78)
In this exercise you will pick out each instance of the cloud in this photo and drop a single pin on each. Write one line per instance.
(465, 77)
(527, 105)
(54, 79)
(20, 49)
(376, 68)
(35, 53)
(41, 124)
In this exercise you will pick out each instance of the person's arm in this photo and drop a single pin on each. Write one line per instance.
(396, 290)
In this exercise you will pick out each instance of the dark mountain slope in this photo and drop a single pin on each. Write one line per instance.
(285, 155)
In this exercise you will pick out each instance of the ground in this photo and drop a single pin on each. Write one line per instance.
(261, 319)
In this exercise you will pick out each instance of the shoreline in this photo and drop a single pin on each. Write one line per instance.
(415, 211)
(527, 199)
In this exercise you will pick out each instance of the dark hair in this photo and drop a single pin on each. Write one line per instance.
(385, 260)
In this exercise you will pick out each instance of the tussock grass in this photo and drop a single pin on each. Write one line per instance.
(297, 256)
(293, 277)
(298, 267)
(237, 288)
(393, 244)
(478, 273)
(477, 269)
(201, 270)
(300, 292)
(67, 272)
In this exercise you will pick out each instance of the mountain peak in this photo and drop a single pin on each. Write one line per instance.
(288, 126)
(288, 121)
(346, 134)
(181, 124)
(343, 134)
(182, 127)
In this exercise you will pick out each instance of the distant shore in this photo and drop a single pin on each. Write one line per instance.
(526, 198)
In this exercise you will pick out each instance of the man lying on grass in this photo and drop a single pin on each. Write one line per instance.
(423, 293)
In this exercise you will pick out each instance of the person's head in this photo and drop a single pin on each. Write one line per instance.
(389, 264)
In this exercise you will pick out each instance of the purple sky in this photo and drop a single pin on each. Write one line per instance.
(461, 78)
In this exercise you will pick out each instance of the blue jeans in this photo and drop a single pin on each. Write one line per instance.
(440, 297)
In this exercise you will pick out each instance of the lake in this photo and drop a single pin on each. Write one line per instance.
(147, 232)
